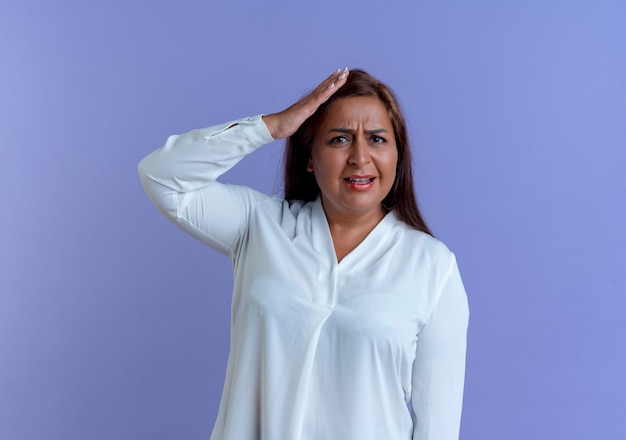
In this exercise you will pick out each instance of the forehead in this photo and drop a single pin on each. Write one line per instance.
(358, 110)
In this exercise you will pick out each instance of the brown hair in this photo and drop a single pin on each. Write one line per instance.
(301, 185)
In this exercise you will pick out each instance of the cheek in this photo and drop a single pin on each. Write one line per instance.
(323, 162)
(391, 164)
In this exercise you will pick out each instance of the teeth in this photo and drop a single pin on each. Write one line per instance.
(359, 181)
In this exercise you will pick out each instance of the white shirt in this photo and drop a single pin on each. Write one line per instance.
(320, 350)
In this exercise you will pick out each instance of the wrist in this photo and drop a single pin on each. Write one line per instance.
(270, 123)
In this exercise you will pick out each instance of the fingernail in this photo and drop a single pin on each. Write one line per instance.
(331, 85)
(342, 76)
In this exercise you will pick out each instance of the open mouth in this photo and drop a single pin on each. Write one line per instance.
(359, 180)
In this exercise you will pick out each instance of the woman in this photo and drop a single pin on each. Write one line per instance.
(348, 319)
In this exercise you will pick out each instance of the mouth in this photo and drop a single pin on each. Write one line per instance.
(359, 180)
(358, 183)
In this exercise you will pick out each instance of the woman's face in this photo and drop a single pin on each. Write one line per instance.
(354, 157)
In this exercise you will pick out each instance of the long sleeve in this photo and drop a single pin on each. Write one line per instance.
(439, 367)
(319, 349)
(180, 179)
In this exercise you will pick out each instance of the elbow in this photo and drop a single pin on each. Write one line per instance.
(159, 195)
(143, 168)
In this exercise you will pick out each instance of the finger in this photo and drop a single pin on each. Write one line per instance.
(328, 87)
(285, 123)
(337, 77)
(340, 79)
(329, 80)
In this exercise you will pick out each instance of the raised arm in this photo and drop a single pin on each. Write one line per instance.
(180, 177)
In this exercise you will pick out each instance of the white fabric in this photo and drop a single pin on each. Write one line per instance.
(320, 350)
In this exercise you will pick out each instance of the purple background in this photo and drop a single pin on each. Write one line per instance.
(114, 324)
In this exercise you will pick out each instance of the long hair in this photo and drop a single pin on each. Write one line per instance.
(301, 185)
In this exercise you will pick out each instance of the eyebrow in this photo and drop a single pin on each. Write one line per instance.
(351, 131)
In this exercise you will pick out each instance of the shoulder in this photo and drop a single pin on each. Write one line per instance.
(423, 243)
(427, 252)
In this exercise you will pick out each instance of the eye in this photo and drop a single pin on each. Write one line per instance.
(338, 140)
(377, 139)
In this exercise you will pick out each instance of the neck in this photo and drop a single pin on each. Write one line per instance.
(353, 220)
(348, 230)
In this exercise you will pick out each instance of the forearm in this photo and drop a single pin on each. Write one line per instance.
(190, 161)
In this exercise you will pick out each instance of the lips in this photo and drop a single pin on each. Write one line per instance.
(359, 180)
(359, 183)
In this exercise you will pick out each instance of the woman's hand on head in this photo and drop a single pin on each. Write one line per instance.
(284, 124)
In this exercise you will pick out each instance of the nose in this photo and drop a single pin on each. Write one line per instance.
(359, 153)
